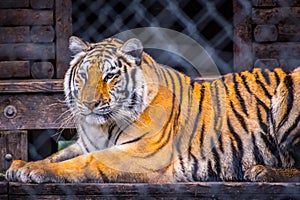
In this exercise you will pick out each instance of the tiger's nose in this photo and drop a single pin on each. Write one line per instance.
(91, 104)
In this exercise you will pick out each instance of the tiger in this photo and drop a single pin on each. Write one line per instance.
(140, 121)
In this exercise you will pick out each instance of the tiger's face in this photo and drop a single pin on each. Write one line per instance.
(105, 82)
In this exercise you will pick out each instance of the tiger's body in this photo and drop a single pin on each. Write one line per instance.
(140, 122)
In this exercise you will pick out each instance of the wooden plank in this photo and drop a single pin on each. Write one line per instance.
(266, 63)
(242, 57)
(265, 33)
(284, 50)
(289, 64)
(31, 86)
(274, 15)
(14, 3)
(264, 3)
(34, 111)
(288, 31)
(27, 51)
(207, 190)
(14, 34)
(14, 69)
(15, 144)
(24, 17)
(41, 4)
(3, 151)
(63, 27)
(3, 187)
(42, 70)
(42, 34)
(288, 3)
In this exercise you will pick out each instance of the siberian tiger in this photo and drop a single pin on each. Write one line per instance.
(141, 122)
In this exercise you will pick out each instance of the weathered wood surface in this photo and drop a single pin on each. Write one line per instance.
(63, 27)
(14, 143)
(264, 3)
(265, 33)
(14, 3)
(22, 17)
(206, 190)
(3, 187)
(34, 111)
(288, 31)
(14, 69)
(242, 57)
(266, 63)
(283, 50)
(27, 51)
(288, 3)
(42, 70)
(42, 34)
(31, 86)
(274, 15)
(16, 34)
(41, 4)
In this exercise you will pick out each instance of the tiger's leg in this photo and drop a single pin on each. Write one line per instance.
(285, 129)
(65, 154)
(261, 173)
(109, 165)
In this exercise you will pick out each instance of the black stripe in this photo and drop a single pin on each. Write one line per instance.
(212, 176)
(237, 153)
(256, 152)
(277, 78)
(201, 141)
(195, 168)
(197, 120)
(162, 70)
(266, 76)
(216, 158)
(290, 100)
(136, 139)
(271, 145)
(238, 95)
(104, 178)
(260, 120)
(289, 130)
(245, 83)
(262, 85)
(239, 117)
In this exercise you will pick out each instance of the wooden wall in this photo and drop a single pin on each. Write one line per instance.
(266, 34)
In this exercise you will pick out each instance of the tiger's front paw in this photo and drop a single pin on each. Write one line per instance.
(11, 173)
(27, 172)
(260, 173)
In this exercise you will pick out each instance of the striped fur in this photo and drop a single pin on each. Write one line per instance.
(140, 122)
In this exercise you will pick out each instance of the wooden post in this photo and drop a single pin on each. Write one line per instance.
(242, 57)
(12, 143)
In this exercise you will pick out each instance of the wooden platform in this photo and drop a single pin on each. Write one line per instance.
(203, 190)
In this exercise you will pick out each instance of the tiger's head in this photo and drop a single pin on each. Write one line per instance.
(105, 81)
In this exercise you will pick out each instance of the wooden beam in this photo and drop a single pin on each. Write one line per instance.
(198, 190)
(31, 86)
(242, 57)
(17, 34)
(24, 17)
(33, 111)
(15, 144)
(63, 27)
(27, 51)
(14, 3)
(14, 69)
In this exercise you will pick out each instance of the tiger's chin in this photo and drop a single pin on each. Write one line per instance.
(96, 119)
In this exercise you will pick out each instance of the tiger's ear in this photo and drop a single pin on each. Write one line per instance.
(132, 50)
(76, 45)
